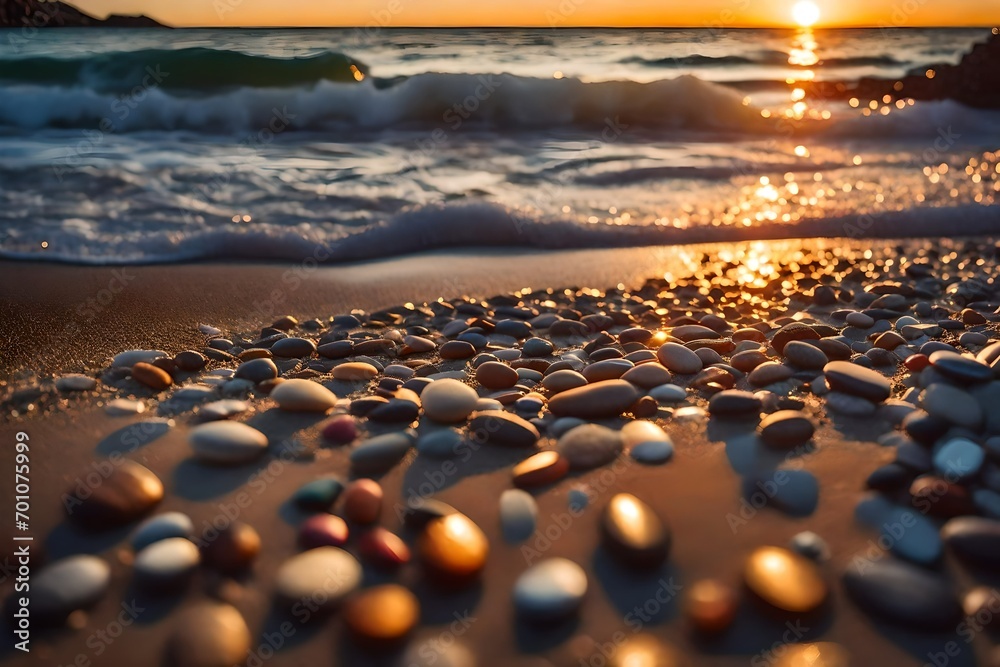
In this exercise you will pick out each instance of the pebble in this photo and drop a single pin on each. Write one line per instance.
(537, 347)
(679, 359)
(810, 545)
(563, 380)
(324, 576)
(293, 348)
(341, 430)
(609, 369)
(209, 635)
(793, 331)
(297, 395)
(786, 429)
(161, 527)
(590, 446)
(959, 459)
(785, 580)
(166, 564)
(646, 442)
(453, 548)
(907, 532)
(804, 355)
(257, 370)
(125, 493)
(851, 406)
(381, 452)
(947, 402)
(190, 361)
(844, 376)
(668, 393)
(502, 428)
(355, 371)
(382, 614)
(75, 382)
(319, 494)
(67, 585)
(227, 443)
(768, 373)
(496, 375)
(860, 320)
(974, 540)
(540, 469)
(323, 530)
(449, 401)
(224, 409)
(710, 606)
(518, 514)
(233, 549)
(608, 398)
(363, 501)
(383, 549)
(151, 376)
(734, 403)
(906, 594)
(648, 375)
(633, 533)
(549, 590)
(960, 368)
(442, 443)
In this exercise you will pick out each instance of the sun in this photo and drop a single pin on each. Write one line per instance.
(805, 14)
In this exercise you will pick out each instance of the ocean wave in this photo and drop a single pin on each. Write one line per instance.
(191, 69)
(761, 58)
(441, 227)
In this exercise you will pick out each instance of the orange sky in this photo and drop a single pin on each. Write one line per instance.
(546, 13)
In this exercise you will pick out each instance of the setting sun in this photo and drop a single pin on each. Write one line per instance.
(805, 14)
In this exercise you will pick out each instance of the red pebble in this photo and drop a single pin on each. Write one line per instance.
(363, 501)
(383, 548)
(323, 530)
(917, 362)
(342, 429)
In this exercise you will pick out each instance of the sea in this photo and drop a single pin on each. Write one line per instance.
(342, 145)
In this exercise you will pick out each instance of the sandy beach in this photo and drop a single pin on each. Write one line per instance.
(701, 493)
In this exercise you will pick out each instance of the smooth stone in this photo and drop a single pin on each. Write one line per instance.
(710, 606)
(804, 355)
(324, 576)
(537, 347)
(810, 545)
(794, 492)
(130, 358)
(383, 549)
(166, 563)
(190, 361)
(75, 382)
(257, 370)
(578, 499)
(518, 515)
(319, 494)
(890, 477)
(151, 376)
(652, 452)
(440, 444)
(908, 533)
(355, 371)
(590, 446)
(453, 548)
(633, 533)
(449, 401)
(608, 398)
(793, 331)
(502, 428)
(609, 369)
(551, 589)
(323, 530)
(209, 635)
(540, 469)
(851, 406)
(563, 380)
(233, 549)
(128, 492)
(860, 320)
(227, 443)
(785, 580)
(903, 593)
(768, 373)
(382, 614)
(363, 501)
(67, 585)
(297, 395)
(161, 527)
(855, 380)
(959, 459)
(223, 409)
(496, 375)
(679, 359)
(293, 348)
(668, 393)
(648, 375)
(786, 429)
(734, 403)
(947, 402)
(959, 368)
(974, 540)
(378, 454)
(341, 430)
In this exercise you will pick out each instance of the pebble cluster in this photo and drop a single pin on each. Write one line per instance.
(575, 380)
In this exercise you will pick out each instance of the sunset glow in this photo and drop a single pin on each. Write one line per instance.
(805, 14)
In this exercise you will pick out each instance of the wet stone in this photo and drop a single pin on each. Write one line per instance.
(609, 398)
(453, 548)
(496, 375)
(960, 368)
(151, 376)
(293, 348)
(734, 403)
(124, 494)
(804, 355)
(768, 373)
(679, 359)
(551, 589)
(502, 428)
(952, 404)
(905, 594)
(959, 459)
(974, 540)
(786, 429)
(852, 379)
(257, 370)
(851, 406)
(590, 446)
(633, 533)
(540, 469)
(785, 580)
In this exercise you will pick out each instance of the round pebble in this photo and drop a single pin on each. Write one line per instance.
(323, 530)
(67, 585)
(322, 576)
(123, 493)
(786, 429)
(381, 614)
(233, 549)
(609, 398)
(633, 533)
(209, 635)
(551, 589)
(298, 395)
(161, 527)
(363, 501)
(166, 563)
(785, 580)
(540, 469)
(679, 359)
(453, 548)
(227, 443)
(449, 401)
(590, 446)
(518, 514)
